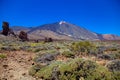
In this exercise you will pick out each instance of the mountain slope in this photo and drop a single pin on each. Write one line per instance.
(68, 29)
(110, 37)
(17, 29)
(63, 30)
(41, 34)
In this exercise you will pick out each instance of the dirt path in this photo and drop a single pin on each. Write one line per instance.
(16, 66)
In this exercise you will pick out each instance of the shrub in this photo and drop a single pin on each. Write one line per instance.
(115, 55)
(116, 75)
(114, 67)
(36, 50)
(3, 56)
(33, 70)
(74, 69)
(85, 46)
(111, 49)
(105, 56)
(46, 72)
(46, 58)
(68, 54)
(110, 56)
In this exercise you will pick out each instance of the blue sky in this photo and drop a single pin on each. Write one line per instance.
(101, 16)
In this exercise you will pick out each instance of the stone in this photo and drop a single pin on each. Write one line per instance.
(5, 27)
(23, 36)
(48, 39)
(5, 66)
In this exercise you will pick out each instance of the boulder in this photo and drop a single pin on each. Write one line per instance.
(23, 36)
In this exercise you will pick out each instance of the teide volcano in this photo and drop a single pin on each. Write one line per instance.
(67, 30)
(64, 31)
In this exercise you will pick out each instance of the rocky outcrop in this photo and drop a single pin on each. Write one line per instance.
(6, 30)
(5, 27)
(23, 36)
(48, 39)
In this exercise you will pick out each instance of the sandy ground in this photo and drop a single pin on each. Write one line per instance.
(16, 66)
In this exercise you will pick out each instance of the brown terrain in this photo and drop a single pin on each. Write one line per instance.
(41, 34)
(16, 65)
(111, 37)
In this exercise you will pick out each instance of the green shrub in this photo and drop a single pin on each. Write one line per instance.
(74, 69)
(106, 57)
(3, 56)
(33, 70)
(68, 54)
(36, 50)
(111, 49)
(46, 72)
(116, 75)
(115, 55)
(83, 46)
(114, 67)
(110, 56)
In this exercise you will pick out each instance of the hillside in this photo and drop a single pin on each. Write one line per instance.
(110, 37)
(68, 29)
(63, 31)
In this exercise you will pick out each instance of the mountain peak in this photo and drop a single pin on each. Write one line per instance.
(62, 22)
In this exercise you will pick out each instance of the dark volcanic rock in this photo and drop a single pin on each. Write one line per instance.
(5, 27)
(48, 39)
(6, 30)
(23, 36)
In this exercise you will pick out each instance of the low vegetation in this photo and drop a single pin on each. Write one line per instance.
(74, 69)
(2, 56)
(84, 48)
(70, 60)
(68, 54)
